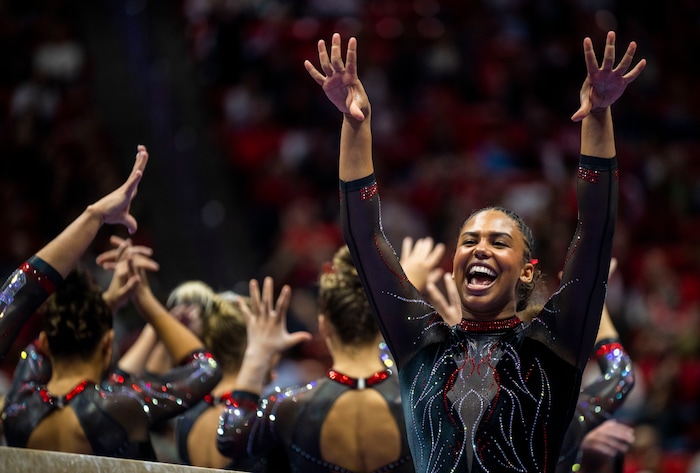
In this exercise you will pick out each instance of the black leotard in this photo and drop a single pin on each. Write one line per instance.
(21, 294)
(293, 418)
(492, 396)
(186, 421)
(598, 400)
(107, 412)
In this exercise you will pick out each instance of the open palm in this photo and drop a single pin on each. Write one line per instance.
(605, 84)
(339, 80)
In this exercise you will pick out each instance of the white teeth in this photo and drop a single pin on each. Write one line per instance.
(482, 270)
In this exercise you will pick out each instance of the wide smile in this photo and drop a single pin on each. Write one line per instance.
(480, 277)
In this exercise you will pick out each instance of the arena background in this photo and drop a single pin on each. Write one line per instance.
(471, 105)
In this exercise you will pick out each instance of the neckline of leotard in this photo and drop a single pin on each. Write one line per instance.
(60, 401)
(358, 383)
(489, 325)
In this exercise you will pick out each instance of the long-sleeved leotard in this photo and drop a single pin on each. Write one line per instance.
(492, 396)
(293, 419)
(21, 294)
(599, 400)
(112, 413)
(107, 412)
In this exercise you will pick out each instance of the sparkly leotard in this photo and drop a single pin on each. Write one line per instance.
(186, 421)
(293, 418)
(493, 396)
(23, 292)
(598, 400)
(109, 413)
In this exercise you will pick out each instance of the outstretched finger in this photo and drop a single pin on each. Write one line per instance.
(143, 250)
(452, 292)
(336, 58)
(314, 73)
(423, 246)
(581, 113)
(255, 302)
(436, 254)
(421, 249)
(355, 110)
(589, 56)
(132, 182)
(283, 301)
(351, 57)
(323, 58)
(267, 295)
(299, 337)
(144, 263)
(246, 311)
(141, 159)
(626, 60)
(116, 240)
(108, 259)
(108, 265)
(406, 246)
(585, 107)
(609, 53)
(131, 224)
(636, 70)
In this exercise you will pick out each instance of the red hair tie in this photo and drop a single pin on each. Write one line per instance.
(534, 261)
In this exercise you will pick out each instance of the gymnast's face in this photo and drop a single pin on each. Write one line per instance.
(487, 265)
(190, 314)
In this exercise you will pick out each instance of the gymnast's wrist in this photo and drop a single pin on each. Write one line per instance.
(93, 213)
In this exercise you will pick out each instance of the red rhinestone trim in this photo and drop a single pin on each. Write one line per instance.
(227, 399)
(49, 398)
(358, 383)
(588, 175)
(489, 325)
(607, 348)
(117, 378)
(368, 192)
(38, 276)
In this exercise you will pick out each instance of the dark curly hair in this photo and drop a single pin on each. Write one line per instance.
(524, 291)
(343, 302)
(76, 317)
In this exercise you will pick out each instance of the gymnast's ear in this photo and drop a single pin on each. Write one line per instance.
(42, 343)
(527, 273)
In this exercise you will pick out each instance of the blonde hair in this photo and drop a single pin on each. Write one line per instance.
(224, 333)
(193, 292)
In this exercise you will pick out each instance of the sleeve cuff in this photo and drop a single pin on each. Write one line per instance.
(357, 184)
(46, 269)
(598, 164)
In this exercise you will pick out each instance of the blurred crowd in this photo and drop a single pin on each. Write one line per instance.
(56, 154)
(461, 90)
